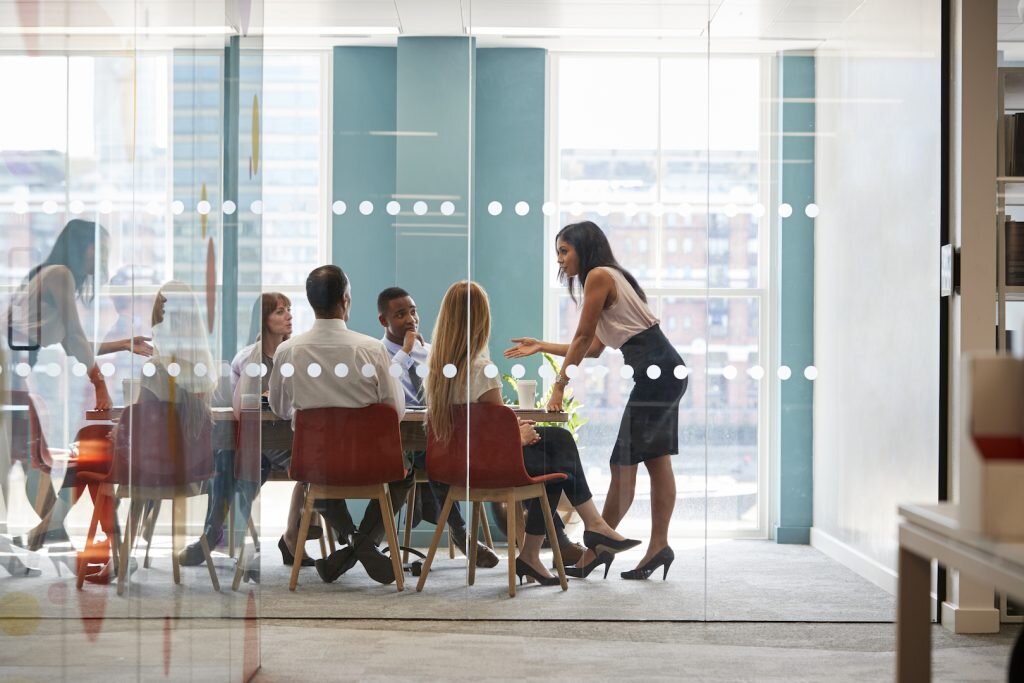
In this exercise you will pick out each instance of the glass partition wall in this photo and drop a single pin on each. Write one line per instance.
(131, 194)
(203, 168)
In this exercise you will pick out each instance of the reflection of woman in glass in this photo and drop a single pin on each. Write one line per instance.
(615, 314)
(545, 449)
(44, 312)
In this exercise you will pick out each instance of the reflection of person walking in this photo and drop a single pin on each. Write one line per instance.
(615, 314)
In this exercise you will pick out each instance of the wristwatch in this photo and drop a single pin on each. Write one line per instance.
(562, 381)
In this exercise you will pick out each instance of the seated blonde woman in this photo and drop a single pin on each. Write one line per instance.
(465, 315)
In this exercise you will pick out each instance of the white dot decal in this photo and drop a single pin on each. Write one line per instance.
(50, 206)
(173, 369)
(20, 207)
(366, 207)
(494, 208)
(419, 208)
(603, 209)
(731, 210)
(225, 369)
(395, 370)
(287, 369)
(177, 207)
(653, 371)
(393, 208)
(105, 206)
(681, 372)
(658, 209)
(76, 206)
(629, 210)
(756, 372)
(153, 209)
(200, 370)
(78, 369)
(314, 370)
(229, 207)
(729, 372)
(785, 210)
(548, 208)
(257, 206)
(107, 369)
(447, 208)
(784, 372)
(518, 371)
(422, 370)
(22, 369)
(264, 369)
(572, 371)
(449, 370)
(812, 211)
(203, 207)
(53, 370)
(491, 371)
(811, 372)
(545, 372)
(148, 369)
(522, 208)
(252, 370)
(341, 370)
(757, 210)
(339, 207)
(575, 208)
(368, 370)
(626, 371)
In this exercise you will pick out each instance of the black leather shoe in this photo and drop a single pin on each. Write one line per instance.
(485, 557)
(336, 564)
(377, 564)
(192, 555)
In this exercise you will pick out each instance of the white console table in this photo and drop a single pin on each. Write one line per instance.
(930, 532)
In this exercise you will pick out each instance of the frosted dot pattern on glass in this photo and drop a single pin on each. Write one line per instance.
(393, 208)
(785, 210)
(653, 371)
(447, 208)
(173, 369)
(252, 370)
(449, 370)
(784, 372)
(494, 208)
(522, 208)
(420, 208)
(339, 207)
(341, 370)
(107, 369)
(366, 207)
(491, 371)
(811, 373)
(518, 371)
(287, 369)
(148, 369)
(314, 370)
(229, 207)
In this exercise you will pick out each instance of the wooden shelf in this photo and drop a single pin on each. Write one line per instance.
(1010, 180)
(1014, 293)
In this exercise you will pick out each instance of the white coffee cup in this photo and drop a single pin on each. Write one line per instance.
(250, 401)
(131, 388)
(527, 389)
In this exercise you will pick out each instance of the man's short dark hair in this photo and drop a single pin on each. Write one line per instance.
(385, 298)
(325, 288)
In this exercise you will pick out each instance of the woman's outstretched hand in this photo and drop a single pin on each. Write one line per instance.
(524, 346)
(555, 402)
(103, 401)
(140, 345)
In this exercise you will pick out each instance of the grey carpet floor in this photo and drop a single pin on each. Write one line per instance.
(723, 581)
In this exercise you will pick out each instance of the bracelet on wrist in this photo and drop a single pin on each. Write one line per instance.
(562, 381)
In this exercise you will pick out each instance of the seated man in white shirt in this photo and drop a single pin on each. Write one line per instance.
(331, 345)
(396, 311)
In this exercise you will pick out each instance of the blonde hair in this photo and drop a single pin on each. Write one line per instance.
(465, 317)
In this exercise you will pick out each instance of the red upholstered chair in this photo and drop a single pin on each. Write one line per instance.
(344, 453)
(495, 473)
(155, 459)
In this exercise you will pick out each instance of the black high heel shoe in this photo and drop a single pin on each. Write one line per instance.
(664, 557)
(288, 558)
(584, 571)
(523, 569)
(599, 543)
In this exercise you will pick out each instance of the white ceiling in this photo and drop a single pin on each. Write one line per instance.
(606, 25)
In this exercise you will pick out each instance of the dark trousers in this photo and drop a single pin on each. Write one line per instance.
(223, 487)
(431, 496)
(555, 452)
(371, 528)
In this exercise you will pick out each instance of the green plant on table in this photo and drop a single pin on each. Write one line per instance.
(570, 405)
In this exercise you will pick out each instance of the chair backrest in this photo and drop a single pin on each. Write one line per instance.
(153, 447)
(95, 450)
(495, 450)
(347, 446)
(28, 443)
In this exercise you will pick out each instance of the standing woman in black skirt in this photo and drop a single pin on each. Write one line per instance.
(615, 314)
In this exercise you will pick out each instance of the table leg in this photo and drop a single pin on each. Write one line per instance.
(913, 619)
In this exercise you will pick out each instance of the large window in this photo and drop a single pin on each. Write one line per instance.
(673, 173)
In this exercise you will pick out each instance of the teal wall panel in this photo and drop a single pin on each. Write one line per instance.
(796, 297)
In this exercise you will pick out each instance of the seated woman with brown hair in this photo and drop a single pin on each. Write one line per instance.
(465, 317)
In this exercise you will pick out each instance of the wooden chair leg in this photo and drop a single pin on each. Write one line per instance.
(520, 524)
(252, 532)
(410, 505)
(451, 545)
(240, 567)
(329, 530)
(475, 517)
(231, 527)
(392, 534)
(300, 544)
(205, 543)
(150, 528)
(512, 535)
(323, 547)
(435, 540)
(176, 514)
(126, 545)
(553, 539)
(487, 525)
(89, 542)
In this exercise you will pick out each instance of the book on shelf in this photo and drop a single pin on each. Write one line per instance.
(1015, 253)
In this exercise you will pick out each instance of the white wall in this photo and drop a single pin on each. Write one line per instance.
(876, 402)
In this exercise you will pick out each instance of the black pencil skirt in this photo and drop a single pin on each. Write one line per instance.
(650, 422)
